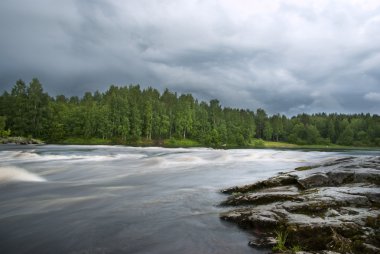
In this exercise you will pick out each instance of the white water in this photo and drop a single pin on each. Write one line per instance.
(15, 174)
(113, 199)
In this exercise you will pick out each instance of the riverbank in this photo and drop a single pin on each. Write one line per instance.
(170, 143)
(284, 145)
(188, 143)
(183, 143)
(332, 206)
(21, 141)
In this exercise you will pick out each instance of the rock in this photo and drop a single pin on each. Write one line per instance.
(259, 198)
(329, 207)
(20, 141)
(265, 242)
(369, 248)
(332, 213)
(270, 183)
(314, 180)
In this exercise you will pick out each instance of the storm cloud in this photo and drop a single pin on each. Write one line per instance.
(283, 56)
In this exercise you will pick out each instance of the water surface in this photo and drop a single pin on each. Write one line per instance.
(113, 199)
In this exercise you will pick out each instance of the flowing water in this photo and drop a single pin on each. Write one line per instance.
(114, 199)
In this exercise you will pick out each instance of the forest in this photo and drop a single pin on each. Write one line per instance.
(130, 114)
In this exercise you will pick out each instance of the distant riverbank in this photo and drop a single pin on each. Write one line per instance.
(181, 143)
(21, 141)
(187, 143)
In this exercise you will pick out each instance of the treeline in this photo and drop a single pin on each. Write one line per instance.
(129, 114)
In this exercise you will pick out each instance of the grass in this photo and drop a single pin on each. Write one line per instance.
(181, 143)
(273, 144)
(173, 143)
(86, 141)
(281, 237)
(296, 248)
(257, 143)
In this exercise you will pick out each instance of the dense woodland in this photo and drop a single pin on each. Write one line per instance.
(126, 115)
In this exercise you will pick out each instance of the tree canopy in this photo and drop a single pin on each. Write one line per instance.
(129, 113)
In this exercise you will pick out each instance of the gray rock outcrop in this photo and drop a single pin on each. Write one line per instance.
(334, 206)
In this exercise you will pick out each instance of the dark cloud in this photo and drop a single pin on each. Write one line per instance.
(284, 56)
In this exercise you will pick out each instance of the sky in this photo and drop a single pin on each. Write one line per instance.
(287, 57)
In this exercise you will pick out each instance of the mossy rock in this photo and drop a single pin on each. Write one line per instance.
(304, 168)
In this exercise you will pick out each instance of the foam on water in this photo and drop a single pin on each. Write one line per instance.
(16, 174)
(8, 156)
(99, 196)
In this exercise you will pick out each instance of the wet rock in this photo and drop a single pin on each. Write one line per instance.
(270, 183)
(329, 207)
(259, 198)
(314, 180)
(369, 248)
(265, 242)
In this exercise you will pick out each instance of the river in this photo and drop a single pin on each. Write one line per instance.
(115, 199)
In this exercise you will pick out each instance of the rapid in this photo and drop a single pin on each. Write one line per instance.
(116, 199)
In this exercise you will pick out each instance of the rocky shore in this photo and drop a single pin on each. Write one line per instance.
(333, 207)
(20, 141)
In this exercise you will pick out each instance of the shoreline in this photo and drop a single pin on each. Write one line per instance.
(174, 143)
(21, 141)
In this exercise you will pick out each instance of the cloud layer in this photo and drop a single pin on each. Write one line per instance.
(284, 56)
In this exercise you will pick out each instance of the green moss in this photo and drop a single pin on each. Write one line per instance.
(340, 243)
(242, 199)
(358, 247)
(373, 222)
(304, 168)
(310, 237)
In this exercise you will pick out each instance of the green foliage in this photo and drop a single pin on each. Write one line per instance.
(84, 141)
(258, 143)
(281, 243)
(281, 237)
(347, 136)
(131, 115)
(2, 122)
(3, 132)
(181, 143)
(295, 249)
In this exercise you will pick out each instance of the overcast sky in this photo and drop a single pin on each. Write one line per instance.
(283, 56)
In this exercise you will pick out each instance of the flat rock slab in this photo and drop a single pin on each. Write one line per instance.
(326, 208)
